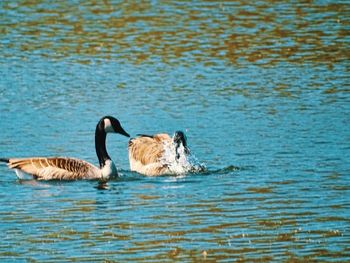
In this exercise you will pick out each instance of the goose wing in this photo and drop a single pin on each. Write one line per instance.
(148, 149)
(55, 168)
(145, 153)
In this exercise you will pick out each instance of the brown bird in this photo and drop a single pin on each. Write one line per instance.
(64, 168)
(147, 153)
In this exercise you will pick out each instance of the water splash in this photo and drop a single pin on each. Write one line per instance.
(178, 161)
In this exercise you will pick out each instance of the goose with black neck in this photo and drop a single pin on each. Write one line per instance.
(66, 168)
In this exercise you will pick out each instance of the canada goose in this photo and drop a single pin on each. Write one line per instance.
(64, 168)
(147, 153)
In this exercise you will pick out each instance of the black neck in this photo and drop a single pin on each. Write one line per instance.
(100, 145)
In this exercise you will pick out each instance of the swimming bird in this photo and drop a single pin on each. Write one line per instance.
(149, 154)
(65, 168)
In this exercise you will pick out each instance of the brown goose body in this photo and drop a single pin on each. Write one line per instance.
(64, 168)
(55, 168)
(146, 153)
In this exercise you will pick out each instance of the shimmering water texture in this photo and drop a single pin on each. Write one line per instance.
(261, 89)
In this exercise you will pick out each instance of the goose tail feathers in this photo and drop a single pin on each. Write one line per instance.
(5, 160)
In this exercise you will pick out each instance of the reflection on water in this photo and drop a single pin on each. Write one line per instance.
(245, 223)
(261, 90)
(264, 32)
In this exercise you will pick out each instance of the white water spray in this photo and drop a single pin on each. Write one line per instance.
(178, 161)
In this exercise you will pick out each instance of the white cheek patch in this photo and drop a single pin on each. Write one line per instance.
(108, 126)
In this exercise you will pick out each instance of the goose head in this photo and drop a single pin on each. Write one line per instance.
(180, 138)
(110, 124)
(107, 124)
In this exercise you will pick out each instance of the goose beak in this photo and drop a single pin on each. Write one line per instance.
(123, 132)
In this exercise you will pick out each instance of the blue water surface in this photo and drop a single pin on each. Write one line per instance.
(261, 90)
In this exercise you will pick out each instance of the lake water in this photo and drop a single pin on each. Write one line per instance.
(262, 91)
